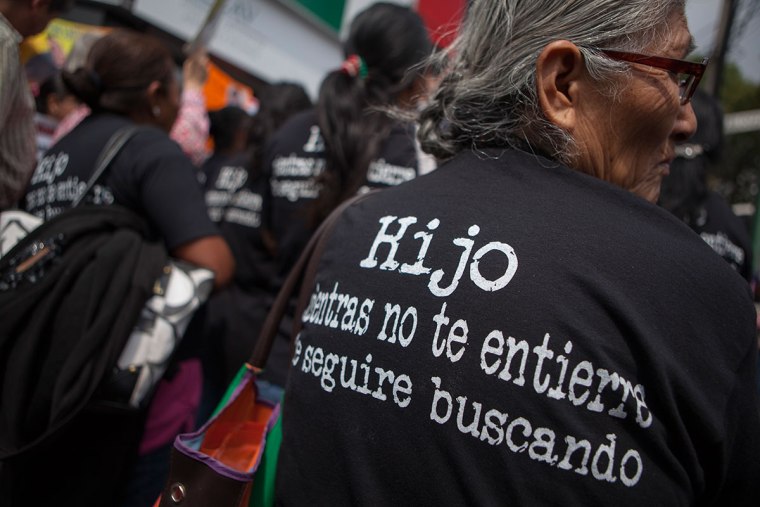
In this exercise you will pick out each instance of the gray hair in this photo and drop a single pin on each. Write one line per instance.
(488, 96)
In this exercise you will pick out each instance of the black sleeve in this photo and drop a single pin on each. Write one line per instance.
(167, 190)
(741, 449)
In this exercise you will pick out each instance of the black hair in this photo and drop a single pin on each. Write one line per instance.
(277, 103)
(224, 124)
(51, 86)
(119, 68)
(61, 5)
(392, 41)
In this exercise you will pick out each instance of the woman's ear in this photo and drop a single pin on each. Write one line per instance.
(155, 92)
(52, 104)
(560, 74)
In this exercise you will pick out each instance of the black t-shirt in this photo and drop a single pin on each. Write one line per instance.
(234, 201)
(150, 175)
(507, 331)
(725, 233)
(293, 160)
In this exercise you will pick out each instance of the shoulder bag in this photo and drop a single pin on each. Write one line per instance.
(231, 460)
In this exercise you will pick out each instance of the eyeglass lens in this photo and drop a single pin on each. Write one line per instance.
(686, 86)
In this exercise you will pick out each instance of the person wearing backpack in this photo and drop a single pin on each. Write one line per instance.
(128, 79)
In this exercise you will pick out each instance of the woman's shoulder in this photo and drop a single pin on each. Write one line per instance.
(149, 135)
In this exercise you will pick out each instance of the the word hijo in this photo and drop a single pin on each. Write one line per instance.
(436, 277)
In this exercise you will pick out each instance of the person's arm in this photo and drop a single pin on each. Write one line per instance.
(191, 128)
(211, 252)
(169, 195)
(7, 68)
(18, 150)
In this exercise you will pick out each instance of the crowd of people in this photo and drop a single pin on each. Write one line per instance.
(517, 315)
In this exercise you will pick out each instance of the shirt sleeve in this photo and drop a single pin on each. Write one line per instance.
(191, 128)
(7, 68)
(169, 193)
(740, 451)
(18, 148)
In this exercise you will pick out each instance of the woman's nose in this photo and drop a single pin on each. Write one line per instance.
(686, 123)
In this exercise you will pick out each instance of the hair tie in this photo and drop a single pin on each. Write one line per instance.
(354, 66)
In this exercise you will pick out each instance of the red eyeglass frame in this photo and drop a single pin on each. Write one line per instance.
(694, 70)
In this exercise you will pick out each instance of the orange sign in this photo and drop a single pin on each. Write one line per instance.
(221, 90)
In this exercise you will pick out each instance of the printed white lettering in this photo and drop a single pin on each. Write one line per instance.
(435, 285)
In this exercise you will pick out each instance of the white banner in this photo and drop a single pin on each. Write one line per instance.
(743, 121)
(260, 36)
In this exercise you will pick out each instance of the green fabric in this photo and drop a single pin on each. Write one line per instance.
(263, 482)
(329, 12)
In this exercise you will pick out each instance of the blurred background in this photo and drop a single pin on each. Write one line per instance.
(253, 43)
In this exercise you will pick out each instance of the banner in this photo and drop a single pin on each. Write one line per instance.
(221, 90)
(45, 53)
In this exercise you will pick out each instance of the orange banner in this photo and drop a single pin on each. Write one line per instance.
(221, 90)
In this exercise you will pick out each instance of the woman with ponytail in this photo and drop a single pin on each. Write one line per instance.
(524, 326)
(349, 143)
(128, 79)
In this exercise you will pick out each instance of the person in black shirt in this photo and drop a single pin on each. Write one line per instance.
(234, 189)
(128, 79)
(347, 144)
(685, 192)
(524, 325)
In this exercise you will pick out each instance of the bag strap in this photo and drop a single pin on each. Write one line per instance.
(303, 272)
(106, 156)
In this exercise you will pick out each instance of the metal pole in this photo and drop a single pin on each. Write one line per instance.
(207, 29)
(714, 77)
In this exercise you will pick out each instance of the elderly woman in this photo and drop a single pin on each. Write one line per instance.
(524, 326)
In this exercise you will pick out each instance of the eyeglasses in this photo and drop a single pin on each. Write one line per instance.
(687, 74)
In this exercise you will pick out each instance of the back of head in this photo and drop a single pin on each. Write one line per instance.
(118, 71)
(391, 40)
(52, 86)
(488, 97)
(386, 45)
(277, 103)
(225, 126)
(30, 17)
